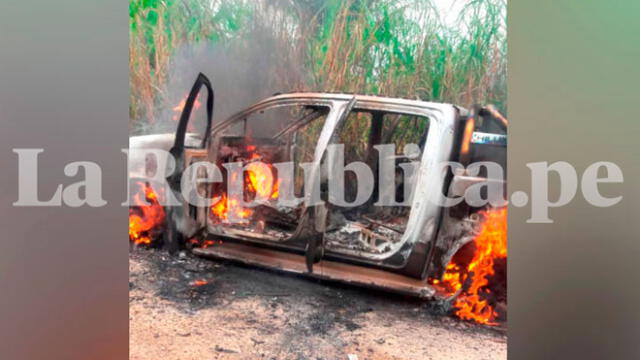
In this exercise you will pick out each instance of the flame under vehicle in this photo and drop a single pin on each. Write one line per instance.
(398, 248)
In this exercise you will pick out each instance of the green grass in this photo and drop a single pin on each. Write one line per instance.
(383, 47)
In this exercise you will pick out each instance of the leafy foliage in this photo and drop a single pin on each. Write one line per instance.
(384, 47)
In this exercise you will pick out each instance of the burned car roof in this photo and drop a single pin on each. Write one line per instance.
(360, 98)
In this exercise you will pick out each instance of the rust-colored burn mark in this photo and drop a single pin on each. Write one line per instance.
(328, 270)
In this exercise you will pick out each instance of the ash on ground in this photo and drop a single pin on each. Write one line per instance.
(184, 307)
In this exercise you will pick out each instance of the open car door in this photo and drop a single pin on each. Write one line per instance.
(187, 220)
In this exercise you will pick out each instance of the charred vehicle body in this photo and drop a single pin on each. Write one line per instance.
(392, 247)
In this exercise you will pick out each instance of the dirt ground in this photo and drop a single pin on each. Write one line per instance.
(189, 308)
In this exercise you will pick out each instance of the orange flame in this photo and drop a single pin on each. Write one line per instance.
(199, 282)
(223, 206)
(258, 180)
(178, 110)
(490, 245)
(261, 180)
(144, 217)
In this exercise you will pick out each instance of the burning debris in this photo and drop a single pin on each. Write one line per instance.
(199, 282)
(258, 183)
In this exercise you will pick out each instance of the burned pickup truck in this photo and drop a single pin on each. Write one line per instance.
(404, 247)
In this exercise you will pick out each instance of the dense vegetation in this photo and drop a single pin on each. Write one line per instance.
(386, 47)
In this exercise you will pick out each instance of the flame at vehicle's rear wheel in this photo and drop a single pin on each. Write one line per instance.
(477, 302)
